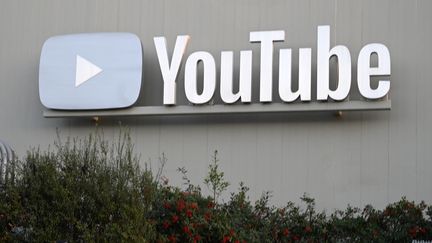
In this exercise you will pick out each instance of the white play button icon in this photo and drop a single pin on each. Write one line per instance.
(71, 75)
(85, 70)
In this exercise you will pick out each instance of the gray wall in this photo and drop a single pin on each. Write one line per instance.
(360, 158)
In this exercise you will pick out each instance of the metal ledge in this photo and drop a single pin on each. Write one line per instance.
(225, 109)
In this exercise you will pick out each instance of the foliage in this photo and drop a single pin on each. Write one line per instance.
(82, 191)
(215, 179)
(92, 191)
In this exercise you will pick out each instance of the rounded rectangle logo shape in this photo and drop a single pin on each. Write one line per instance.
(90, 71)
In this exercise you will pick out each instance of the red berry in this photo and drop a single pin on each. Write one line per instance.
(175, 219)
(189, 213)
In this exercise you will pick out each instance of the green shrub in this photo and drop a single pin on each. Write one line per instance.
(92, 191)
(82, 191)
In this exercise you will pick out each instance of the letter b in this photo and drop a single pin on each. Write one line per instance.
(323, 68)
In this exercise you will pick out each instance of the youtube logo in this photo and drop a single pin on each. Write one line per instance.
(90, 71)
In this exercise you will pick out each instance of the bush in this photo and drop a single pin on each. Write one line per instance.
(83, 191)
(92, 191)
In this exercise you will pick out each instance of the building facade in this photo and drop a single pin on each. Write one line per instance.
(354, 157)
